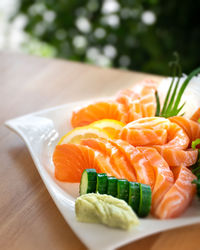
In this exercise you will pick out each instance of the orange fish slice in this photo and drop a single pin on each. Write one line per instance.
(146, 131)
(126, 95)
(177, 139)
(117, 160)
(143, 170)
(180, 195)
(176, 157)
(191, 128)
(132, 105)
(71, 159)
(148, 102)
(164, 178)
(196, 116)
(144, 137)
(98, 111)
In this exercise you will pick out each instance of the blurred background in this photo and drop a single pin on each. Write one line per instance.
(131, 34)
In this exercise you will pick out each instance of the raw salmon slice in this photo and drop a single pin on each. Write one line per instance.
(148, 102)
(164, 178)
(180, 195)
(146, 131)
(177, 138)
(71, 159)
(128, 106)
(126, 95)
(144, 137)
(176, 157)
(98, 111)
(134, 111)
(142, 169)
(117, 160)
(191, 128)
(132, 105)
(138, 105)
(196, 116)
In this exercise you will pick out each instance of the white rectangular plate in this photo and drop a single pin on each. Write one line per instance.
(41, 132)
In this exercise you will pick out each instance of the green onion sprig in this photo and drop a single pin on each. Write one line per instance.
(196, 167)
(172, 100)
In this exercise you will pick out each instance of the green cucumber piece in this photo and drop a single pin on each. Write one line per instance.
(88, 181)
(122, 189)
(145, 200)
(134, 196)
(112, 186)
(102, 183)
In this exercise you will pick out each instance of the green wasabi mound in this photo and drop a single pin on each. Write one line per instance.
(105, 209)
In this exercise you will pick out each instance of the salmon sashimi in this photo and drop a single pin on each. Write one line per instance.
(128, 105)
(191, 128)
(176, 157)
(117, 159)
(71, 159)
(177, 139)
(98, 111)
(143, 170)
(126, 95)
(164, 178)
(138, 105)
(179, 196)
(148, 102)
(146, 131)
(196, 116)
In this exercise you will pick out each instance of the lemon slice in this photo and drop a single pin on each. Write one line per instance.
(79, 133)
(113, 127)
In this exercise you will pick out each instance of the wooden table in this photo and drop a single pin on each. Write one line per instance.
(29, 218)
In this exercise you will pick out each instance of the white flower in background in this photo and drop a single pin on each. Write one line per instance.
(99, 33)
(11, 35)
(93, 53)
(37, 8)
(80, 42)
(49, 16)
(39, 28)
(83, 24)
(111, 20)
(110, 6)
(103, 61)
(148, 17)
(110, 51)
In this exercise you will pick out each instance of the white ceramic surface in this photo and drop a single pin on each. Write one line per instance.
(42, 130)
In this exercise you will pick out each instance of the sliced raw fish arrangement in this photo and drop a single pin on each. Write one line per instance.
(126, 107)
(143, 148)
(179, 196)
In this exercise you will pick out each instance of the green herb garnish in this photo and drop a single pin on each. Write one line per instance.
(195, 143)
(196, 167)
(171, 105)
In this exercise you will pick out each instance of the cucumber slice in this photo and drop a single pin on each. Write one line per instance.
(145, 200)
(112, 186)
(122, 189)
(102, 183)
(134, 195)
(88, 181)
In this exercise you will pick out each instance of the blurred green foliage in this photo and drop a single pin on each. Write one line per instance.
(135, 34)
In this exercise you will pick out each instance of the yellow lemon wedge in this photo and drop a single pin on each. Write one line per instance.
(113, 127)
(86, 132)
